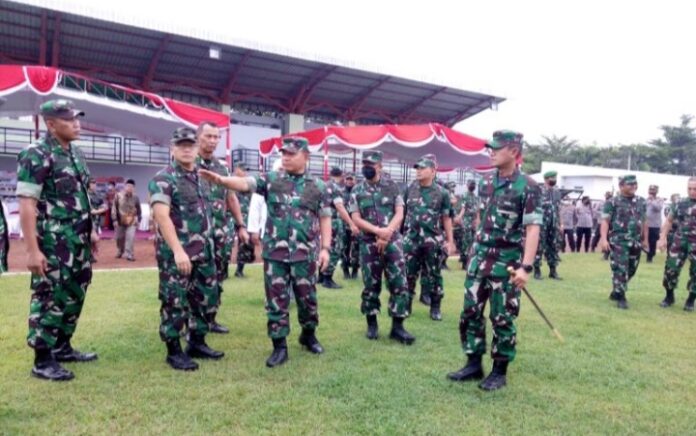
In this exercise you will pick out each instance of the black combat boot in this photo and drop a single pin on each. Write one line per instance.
(320, 278)
(621, 301)
(689, 305)
(537, 273)
(239, 272)
(279, 355)
(614, 296)
(309, 340)
(399, 333)
(177, 359)
(372, 327)
(425, 299)
(64, 352)
(354, 275)
(46, 367)
(329, 283)
(215, 327)
(497, 378)
(346, 272)
(553, 274)
(464, 262)
(435, 313)
(472, 371)
(199, 349)
(669, 299)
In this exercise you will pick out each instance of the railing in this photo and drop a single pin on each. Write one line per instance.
(95, 147)
(138, 152)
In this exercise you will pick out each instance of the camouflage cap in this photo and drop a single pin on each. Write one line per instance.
(550, 174)
(372, 156)
(627, 179)
(183, 134)
(505, 138)
(451, 185)
(426, 161)
(63, 109)
(336, 172)
(293, 144)
(350, 175)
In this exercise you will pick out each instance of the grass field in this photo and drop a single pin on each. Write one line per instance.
(625, 372)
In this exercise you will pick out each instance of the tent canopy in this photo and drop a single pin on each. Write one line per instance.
(405, 143)
(108, 108)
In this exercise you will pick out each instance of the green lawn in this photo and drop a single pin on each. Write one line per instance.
(628, 372)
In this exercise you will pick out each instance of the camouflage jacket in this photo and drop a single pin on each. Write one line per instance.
(58, 180)
(425, 208)
(295, 204)
(550, 206)
(4, 239)
(507, 206)
(189, 211)
(672, 209)
(216, 194)
(336, 194)
(626, 216)
(683, 215)
(470, 204)
(376, 202)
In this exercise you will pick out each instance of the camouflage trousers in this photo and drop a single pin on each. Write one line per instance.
(390, 263)
(221, 254)
(4, 242)
(57, 299)
(670, 239)
(505, 307)
(679, 251)
(549, 242)
(336, 245)
(351, 252)
(418, 255)
(457, 234)
(465, 244)
(279, 279)
(625, 257)
(186, 301)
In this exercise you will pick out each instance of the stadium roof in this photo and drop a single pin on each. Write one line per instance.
(246, 78)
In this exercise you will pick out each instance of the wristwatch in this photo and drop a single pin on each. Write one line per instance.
(526, 267)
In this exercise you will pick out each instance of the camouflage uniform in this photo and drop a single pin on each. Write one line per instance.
(217, 205)
(295, 204)
(58, 180)
(626, 216)
(470, 204)
(186, 300)
(4, 240)
(673, 230)
(377, 203)
(550, 238)
(457, 228)
(683, 215)
(337, 228)
(424, 235)
(350, 244)
(508, 204)
(245, 252)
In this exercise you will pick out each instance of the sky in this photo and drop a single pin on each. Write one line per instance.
(600, 72)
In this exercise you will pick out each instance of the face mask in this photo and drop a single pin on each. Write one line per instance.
(552, 183)
(369, 172)
(586, 202)
(471, 188)
(349, 188)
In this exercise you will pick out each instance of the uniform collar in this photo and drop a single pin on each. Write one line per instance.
(56, 146)
(500, 181)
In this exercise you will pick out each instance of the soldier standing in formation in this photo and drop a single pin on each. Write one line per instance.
(510, 208)
(299, 216)
(623, 228)
(655, 206)
(350, 260)
(683, 216)
(457, 229)
(469, 210)
(428, 226)
(188, 287)
(339, 216)
(220, 202)
(551, 231)
(245, 249)
(377, 208)
(4, 240)
(54, 210)
(674, 200)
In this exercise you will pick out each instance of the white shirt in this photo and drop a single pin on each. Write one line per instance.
(256, 222)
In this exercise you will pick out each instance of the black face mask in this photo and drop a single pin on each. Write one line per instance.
(586, 202)
(349, 188)
(552, 183)
(471, 188)
(369, 172)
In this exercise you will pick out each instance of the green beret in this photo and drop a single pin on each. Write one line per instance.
(372, 156)
(550, 174)
(628, 178)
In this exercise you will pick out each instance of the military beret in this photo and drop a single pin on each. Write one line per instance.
(183, 134)
(550, 174)
(426, 161)
(372, 156)
(505, 138)
(293, 144)
(63, 109)
(628, 178)
(336, 171)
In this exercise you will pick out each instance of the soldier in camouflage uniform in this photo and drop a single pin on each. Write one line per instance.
(52, 181)
(427, 227)
(623, 228)
(551, 237)
(4, 240)
(339, 216)
(377, 208)
(350, 259)
(674, 200)
(510, 208)
(683, 216)
(245, 249)
(299, 216)
(457, 229)
(470, 206)
(188, 288)
(221, 202)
